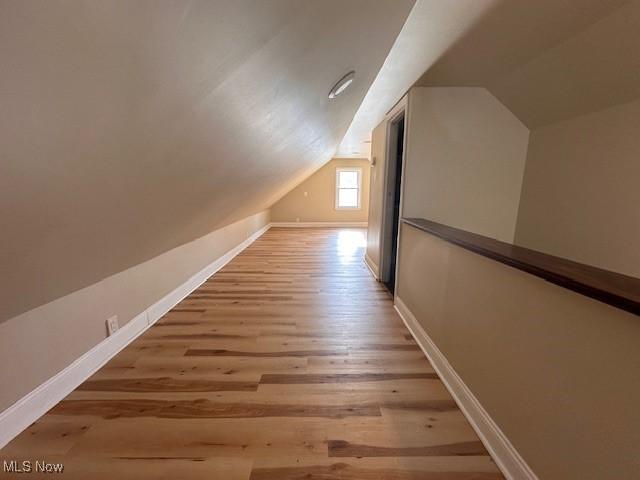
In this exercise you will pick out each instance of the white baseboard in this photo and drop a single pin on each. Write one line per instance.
(502, 451)
(36, 403)
(373, 268)
(319, 224)
(169, 301)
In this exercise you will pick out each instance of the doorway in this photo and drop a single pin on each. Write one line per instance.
(391, 220)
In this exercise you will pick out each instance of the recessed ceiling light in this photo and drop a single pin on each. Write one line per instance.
(342, 84)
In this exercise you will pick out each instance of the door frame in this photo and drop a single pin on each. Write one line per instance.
(392, 117)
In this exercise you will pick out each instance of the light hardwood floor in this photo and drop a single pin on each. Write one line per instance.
(289, 363)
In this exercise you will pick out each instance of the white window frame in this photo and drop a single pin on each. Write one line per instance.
(358, 170)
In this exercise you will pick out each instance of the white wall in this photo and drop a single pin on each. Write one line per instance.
(465, 158)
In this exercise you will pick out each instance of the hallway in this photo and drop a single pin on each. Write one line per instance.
(288, 363)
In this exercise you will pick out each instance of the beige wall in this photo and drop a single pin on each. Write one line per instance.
(543, 361)
(465, 155)
(581, 190)
(318, 205)
(557, 371)
(41, 342)
(465, 159)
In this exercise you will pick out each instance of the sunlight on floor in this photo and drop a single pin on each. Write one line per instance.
(350, 245)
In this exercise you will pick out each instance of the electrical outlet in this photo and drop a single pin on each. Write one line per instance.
(297, 219)
(306, 194)
(112, 325)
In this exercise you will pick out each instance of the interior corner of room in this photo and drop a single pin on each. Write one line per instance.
(315, 201)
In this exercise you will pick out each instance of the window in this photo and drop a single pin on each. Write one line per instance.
(348, 186)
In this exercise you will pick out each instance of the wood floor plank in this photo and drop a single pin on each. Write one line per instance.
(342, 448)
(289, 363)
(307, 378)
(195, 352)
(203, 408)
(405, 468)
(347, 471)
(166, 384)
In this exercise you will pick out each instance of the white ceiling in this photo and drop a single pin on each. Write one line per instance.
(545, 60)
(548, 60)
(432, 27)
(129, 128)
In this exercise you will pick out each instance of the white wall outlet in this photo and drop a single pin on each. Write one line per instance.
(306, 194)
(112, 325)
(297, 219)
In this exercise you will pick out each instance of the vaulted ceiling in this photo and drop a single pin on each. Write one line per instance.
(129, 128)
(432, 27)
(546, 60)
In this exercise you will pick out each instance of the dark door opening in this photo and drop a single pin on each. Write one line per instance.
(393, 196)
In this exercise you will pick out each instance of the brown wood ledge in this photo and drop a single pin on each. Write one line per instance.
(615, 289)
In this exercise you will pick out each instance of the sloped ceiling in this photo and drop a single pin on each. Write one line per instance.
(432, 27)
(129, 128)
(548, 60)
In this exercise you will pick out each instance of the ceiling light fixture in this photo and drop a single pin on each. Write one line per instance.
(342, 84)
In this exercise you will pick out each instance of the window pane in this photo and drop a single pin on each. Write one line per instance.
(348, 179)
(348, 197)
